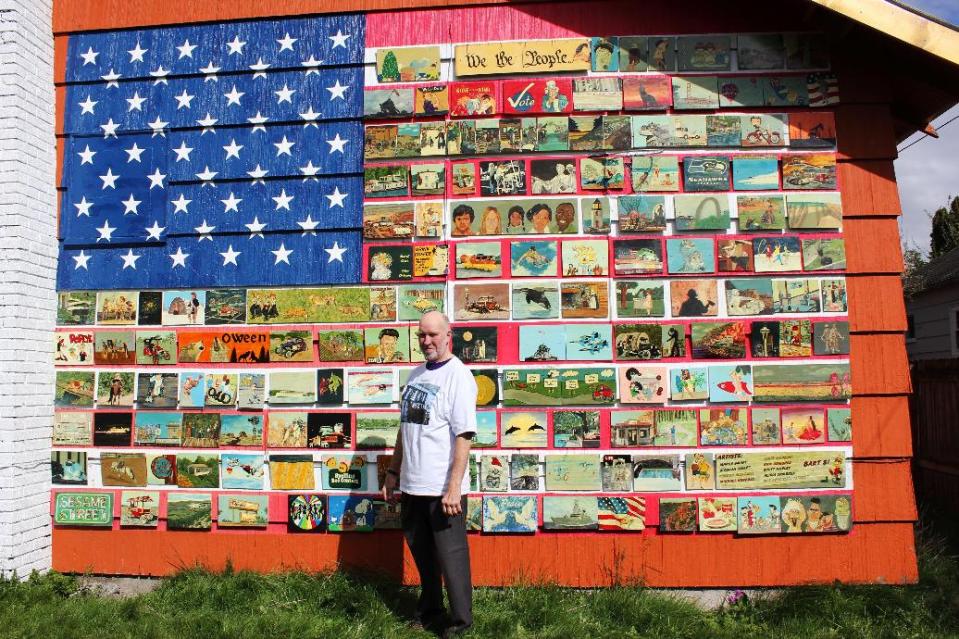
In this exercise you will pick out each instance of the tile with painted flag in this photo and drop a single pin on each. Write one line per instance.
(622, 513)
(214, 155)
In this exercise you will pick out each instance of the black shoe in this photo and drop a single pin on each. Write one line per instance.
(432, 622)
(456, 631)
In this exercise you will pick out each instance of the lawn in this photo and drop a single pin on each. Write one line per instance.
(236, 605)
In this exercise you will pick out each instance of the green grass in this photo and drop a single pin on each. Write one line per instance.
(236, 605)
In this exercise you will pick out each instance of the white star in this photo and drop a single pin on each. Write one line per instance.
(310, 171)
(179, 258)
(337, 143)
(110, 129)
(336, 198)
(283, 95)
(207, 175)
(83, 207)
(136, 53)
(282, 254)
(130, 260)
(286, 42)
(183, 153)
(336, 253)
(257, 174)
(109, 179)
(131, 205)
(156, 179)
(106, 231)
(260, 68)
(232, 149)
(230, 256)
(258, 120)
(204, 231)
(310, 116)
(86, 155)
(136, 102)
(134, 153)
(231, 203)
(160, 74)
(210, 72)
(339, 40)
(158, 126)
(236, 46)
(90, 57)
(111, 79)
(181, 204)
(81, 261)
(184, 100)
(233, 97)
(153, 232)
(308, 225)
(282, 200)
(207, 124)
(338, 90)
(256, 227)
(312, 65)
(283, 147)
(186, 49)
(87, 105)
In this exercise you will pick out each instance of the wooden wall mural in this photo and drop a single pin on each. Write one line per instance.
(641, 240)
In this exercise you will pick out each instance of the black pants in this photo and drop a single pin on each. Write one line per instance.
(439, 548)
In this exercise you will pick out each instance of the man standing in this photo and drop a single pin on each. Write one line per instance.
(438, 421)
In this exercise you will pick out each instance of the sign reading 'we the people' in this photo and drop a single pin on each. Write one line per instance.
(538, 56)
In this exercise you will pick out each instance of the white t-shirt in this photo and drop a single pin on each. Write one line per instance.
(437, 406)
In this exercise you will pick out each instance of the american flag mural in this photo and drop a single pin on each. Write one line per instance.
(621, 513)
(226, 154)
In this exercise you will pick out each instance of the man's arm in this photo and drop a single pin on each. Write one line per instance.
(392, 479)
(461, 453)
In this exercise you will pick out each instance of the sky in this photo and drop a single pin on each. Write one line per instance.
(928, 171)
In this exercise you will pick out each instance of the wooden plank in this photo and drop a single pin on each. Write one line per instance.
(878, 364)
(868, 188)
(863, 237)
(881, 427)
(871, 553)
(865, 132)
(883, 491)
(875, 303)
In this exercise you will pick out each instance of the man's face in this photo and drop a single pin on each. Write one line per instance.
(388, 344)
(433, 336)
(462, 223)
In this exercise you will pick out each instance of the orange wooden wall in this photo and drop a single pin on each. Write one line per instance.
(880, 548)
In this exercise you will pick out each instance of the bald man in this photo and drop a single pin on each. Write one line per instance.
(438, 421)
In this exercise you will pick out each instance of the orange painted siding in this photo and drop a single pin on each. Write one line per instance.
(865, 132)
(879, 365)
(883, 491)
(876, 304)
(871, 552)
(868, 188)
(881, 427)
(872, 245)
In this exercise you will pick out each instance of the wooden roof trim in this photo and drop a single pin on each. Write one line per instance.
(899, 22)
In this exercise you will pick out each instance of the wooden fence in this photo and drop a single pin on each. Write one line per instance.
(935, 417)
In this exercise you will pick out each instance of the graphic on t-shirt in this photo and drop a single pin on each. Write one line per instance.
(418, 401)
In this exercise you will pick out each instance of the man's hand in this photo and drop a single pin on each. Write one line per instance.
(389, 487)
(452, 503)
